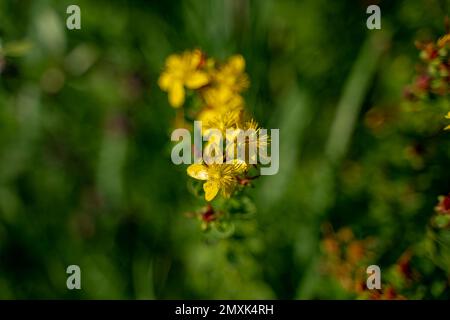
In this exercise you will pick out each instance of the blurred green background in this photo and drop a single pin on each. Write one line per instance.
(85, 170)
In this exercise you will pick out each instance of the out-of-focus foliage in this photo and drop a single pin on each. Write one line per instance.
(86, 176)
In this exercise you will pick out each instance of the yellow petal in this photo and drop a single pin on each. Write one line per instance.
(194, 57)
(448, 115)
(198, 171)
(176, 94)
(174, 61)
(237, 62)
(211, 188)
(447, 127)
(196, 79)
(164, 81)
(222, 97)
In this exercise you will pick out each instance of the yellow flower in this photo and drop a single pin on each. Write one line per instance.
(228, 124)
(218, 102)
(254, 142)
(218, 177)
(231, 75)
(447, 117)
(264, 139)
(223, 120)
(262, 142)
(182, 71)
(222, 98)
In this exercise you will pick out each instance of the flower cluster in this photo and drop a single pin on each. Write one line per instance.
(442, 209)
(219, 85)
(434, 77)
(216, 89)
(346, 258)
